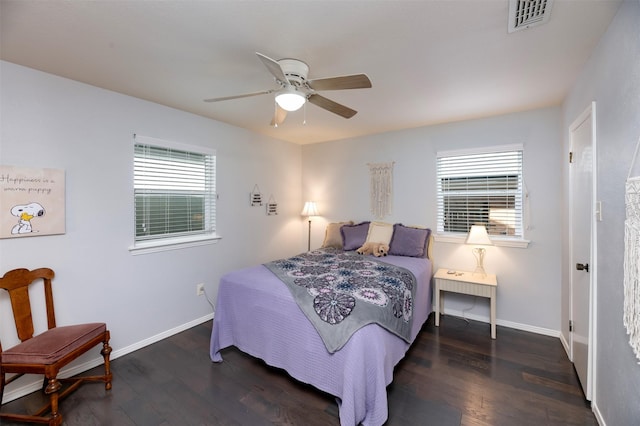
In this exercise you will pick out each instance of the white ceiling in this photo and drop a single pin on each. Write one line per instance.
(429, 61)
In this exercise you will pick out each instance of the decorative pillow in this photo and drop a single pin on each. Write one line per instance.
(354, 236)
(380, 232)
(332, 236)
(408, 241)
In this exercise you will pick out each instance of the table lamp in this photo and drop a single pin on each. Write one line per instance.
(478, 237)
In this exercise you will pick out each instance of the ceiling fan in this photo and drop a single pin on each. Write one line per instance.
(294, 88)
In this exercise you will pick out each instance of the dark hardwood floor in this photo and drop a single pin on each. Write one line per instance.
(453, 375)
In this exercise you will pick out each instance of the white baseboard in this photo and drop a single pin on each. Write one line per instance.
(565, 344)
(596, 412)
(510, 324)
(77, 369)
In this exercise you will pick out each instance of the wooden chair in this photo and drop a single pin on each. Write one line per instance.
(47, 352)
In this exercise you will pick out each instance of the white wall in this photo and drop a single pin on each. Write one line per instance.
(336, 176)
(52, 122)
(612, 79)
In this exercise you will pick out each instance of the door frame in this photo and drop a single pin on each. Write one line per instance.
(593, 282)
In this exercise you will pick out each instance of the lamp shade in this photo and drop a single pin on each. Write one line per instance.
(290, 99)
(309, 209)
(478, 236)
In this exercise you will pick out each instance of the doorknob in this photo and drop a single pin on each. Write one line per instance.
(582, 267)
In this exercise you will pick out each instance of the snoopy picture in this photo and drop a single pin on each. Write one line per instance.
(25, 213)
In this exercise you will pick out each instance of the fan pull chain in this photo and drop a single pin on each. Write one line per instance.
(275, 112)
(304, 113)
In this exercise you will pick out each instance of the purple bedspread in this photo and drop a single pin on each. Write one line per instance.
(256, 313)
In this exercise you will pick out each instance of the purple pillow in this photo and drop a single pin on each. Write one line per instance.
(354, 236)
(407, 241)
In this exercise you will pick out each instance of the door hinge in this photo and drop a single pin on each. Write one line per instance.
(570, 325)
(570, 157)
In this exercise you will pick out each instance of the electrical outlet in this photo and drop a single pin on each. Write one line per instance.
(200, 289)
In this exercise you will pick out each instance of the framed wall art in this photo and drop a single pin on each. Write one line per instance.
(32, 202)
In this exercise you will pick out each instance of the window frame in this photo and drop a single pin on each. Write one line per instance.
(460, 237)
(177, 241)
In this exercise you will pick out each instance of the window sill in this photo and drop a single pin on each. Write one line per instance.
(497, 241)
(155, 246)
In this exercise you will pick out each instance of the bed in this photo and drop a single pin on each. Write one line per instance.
(256, 312)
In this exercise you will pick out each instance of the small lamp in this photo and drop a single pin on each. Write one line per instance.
(290, 99)
(309, 210)
(478, 236)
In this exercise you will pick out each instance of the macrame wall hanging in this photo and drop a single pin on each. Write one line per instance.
(381, 189)
(632, 257)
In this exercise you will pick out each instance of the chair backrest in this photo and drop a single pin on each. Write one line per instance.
(17, 283)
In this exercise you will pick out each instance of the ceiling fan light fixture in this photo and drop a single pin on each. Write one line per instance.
(290, 99)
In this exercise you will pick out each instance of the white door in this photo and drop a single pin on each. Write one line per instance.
(582, 213)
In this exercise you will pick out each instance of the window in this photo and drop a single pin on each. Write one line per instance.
(174, 193)
(481, 188)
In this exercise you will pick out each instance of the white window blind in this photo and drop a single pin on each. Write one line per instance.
(481, 188)
(174, 190)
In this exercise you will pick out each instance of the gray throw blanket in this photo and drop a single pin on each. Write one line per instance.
(341, 292)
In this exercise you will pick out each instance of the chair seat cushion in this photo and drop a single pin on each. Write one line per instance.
(48, 347)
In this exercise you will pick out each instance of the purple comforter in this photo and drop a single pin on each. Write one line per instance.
(256, 313)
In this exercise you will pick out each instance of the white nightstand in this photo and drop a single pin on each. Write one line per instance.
(466, 283)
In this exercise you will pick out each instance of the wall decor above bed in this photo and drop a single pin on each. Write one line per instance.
(381, 189)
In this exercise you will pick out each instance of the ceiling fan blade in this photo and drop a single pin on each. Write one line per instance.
(226, 98)
(332, 106)
(278, 116)
(274, 67)
(356, 81)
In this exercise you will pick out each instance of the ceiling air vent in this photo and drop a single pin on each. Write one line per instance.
(525, 14)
